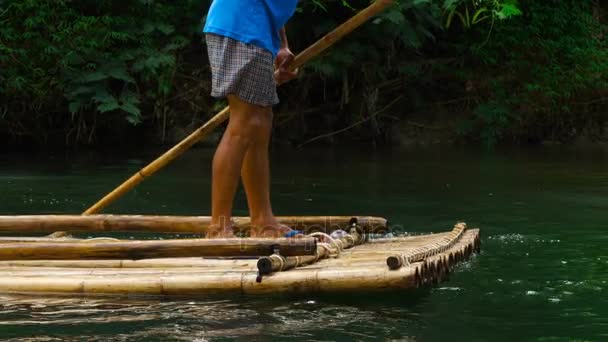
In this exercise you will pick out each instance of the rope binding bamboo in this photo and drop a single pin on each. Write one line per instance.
(330, 248)
(394, 262)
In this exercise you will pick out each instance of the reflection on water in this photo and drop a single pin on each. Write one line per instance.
(542, 273)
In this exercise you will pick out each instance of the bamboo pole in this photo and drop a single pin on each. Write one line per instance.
(360, 278)
(125, 272)
(311, 52)
(34, 239)
(397, 240)
(172, 224)
(192, 264)
(143, 249)
(166, 263)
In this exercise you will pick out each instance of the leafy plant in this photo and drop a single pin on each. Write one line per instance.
(472, 12)
(557, 65)
(102, 58)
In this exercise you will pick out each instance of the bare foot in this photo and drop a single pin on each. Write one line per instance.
(217, 232)
(270, 230)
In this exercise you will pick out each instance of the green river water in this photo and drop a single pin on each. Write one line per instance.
(541, 276)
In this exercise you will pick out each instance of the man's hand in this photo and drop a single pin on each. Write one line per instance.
(282, 74)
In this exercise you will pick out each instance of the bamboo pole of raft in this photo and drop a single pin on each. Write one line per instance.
(311, 52)
(169, 263)
(192, 264)
(172, 224)
(156, 249)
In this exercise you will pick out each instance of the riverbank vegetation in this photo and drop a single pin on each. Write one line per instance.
(475, 71)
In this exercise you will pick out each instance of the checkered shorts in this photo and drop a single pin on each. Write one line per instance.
(240, 69)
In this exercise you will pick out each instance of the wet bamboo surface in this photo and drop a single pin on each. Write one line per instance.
(33, 224)
(360, 268)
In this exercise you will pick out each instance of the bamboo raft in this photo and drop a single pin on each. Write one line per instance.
(338, 254)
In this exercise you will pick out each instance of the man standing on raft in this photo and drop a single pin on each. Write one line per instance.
(246, 41)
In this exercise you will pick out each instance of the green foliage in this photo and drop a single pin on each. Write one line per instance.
(490, 122)
(405, 25)
(352, 72)
(546, 73)
(74, 69)
(472, 12)
(101, 57)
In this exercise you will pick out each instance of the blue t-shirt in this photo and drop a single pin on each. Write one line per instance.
(254, 22)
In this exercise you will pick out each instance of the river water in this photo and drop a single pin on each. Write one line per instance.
(542, 274)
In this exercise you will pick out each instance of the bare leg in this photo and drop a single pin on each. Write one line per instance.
(244, 149)
(256, 179)
(256, 173)
(227, 164)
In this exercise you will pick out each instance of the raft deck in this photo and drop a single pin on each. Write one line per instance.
(348, 262)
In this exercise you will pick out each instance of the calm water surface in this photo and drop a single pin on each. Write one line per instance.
(542, 274)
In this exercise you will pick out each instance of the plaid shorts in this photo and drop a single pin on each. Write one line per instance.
(240, 69)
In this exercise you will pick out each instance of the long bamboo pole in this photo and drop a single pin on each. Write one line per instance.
(311, 52)
(145, 249)
(172, 224)
(166, 263)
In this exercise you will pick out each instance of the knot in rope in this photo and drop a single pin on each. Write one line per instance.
(336, 243)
